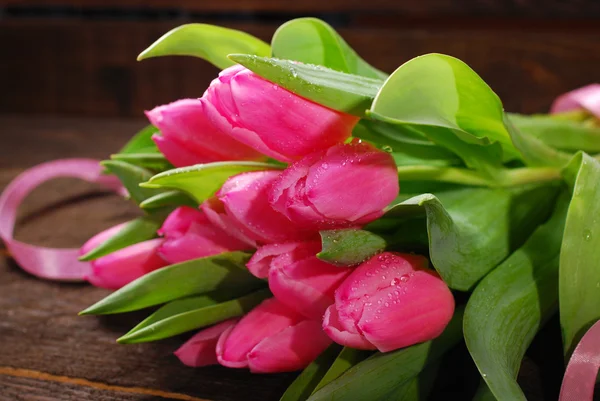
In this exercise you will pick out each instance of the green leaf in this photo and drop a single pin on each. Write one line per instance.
(137, 230)
(142, 142)
(436, 90)
(348, 93)
(349, 247)
(406, 146)
(346, 359)
(471, 230)
(533, 151)
(511, 303)
(383, 373)
(131, 177)
(302, 387)
(209, 42)
(223, 272)
(203, 180)
(192, 313)
(579, 273)
(312, 41)
(168, 198)
(153, 161)
(559, 133)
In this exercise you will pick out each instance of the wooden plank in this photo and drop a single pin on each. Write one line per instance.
(89, 68)
(537, 8)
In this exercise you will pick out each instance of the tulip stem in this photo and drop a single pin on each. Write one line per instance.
(506, 178)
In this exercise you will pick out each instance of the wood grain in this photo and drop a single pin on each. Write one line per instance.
(88, 67)
(556, 8)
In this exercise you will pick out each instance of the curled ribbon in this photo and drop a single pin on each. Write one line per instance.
(582, 370)
(48, 263)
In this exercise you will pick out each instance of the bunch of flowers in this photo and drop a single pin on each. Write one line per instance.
(274, 221)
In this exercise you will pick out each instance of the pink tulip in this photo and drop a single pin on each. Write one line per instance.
(125, 265)
(241, 205)
(100, 238)
(270, 119)
(188, 137)
(272, 338)
(260, 263)
(302, 282)
(200, 350)
(189, 235)
(344, 186)
(586, 97)
(389, 302)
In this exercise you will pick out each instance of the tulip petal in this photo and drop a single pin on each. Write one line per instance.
(179, 221)
(100, 238)
(178, 155)
(200, 350)
(260, 263)
(335, 331)
(267, 319)
(587, 97)
(214, 210)
(125, 265)
(291, 349)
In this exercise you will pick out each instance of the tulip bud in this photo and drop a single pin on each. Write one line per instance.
(100, 238)
(241, 205)
(302, 282)
(188, 137)
(200, 350)
(125, 265)
(343, 186)
(271, 338)
(189, 235)
(389, 302)
(586, 98)
(270, 119)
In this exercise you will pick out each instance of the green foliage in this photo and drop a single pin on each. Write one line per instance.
(349, 247)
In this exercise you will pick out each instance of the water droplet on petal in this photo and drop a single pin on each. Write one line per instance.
(404, 278)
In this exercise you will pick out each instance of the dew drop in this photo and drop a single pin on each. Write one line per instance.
(404, 278)
(386, 304)
(395, 281)
(325, 166)
(383, 277)
(587, 235)
(387, 148)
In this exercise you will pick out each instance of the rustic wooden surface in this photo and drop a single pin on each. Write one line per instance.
(49, 353)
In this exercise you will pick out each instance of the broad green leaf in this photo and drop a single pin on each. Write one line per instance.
(209, 42)
(440, 91)
(142, 142)
(200, 316)
(312, 41)
(533, 150)
(579, 273)
(346, 359)
(203, 180)
(168, 198)
(349, 247)
(137, 230)
(131, 177)
(471, 230)
(562, 134)
(223, 272)
(384, 373)
(153, 161)
(303, 386)
(511, 303)
(348, 93)
(406, 146)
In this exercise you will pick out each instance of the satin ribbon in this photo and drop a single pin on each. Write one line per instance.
(582, 370)
(48, 263)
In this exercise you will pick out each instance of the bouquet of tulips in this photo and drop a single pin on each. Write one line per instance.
(312, 212)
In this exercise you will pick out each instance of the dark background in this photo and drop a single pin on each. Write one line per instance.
(70, 87)
(77, 57)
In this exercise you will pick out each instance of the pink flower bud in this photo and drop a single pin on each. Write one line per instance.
(260, 263)
(586, 97)
(200, 350)
(343, 186)
(125, 265)
(270, 119)
(389, 302)
(272, 338)
(242, 205)
(302, 282)
(188, 137)
(189, 235)
(100, 238)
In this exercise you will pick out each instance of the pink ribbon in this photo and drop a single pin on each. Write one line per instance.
(580, 377)
(586, 97)
(48, 263)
